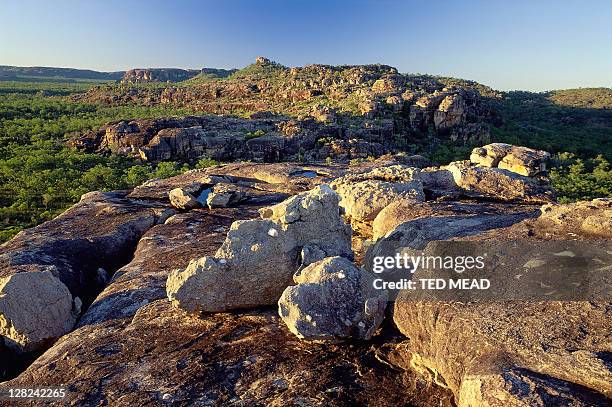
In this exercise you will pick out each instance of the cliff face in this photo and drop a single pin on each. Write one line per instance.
(130, 265)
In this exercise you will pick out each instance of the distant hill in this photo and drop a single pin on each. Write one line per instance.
(46, 74)
(140, 75)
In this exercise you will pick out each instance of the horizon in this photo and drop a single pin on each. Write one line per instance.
(555, 45)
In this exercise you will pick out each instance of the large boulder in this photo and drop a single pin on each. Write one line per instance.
(499, 184)
(404, 210)
(332, 301)
(511, 353)
(365, 194)
(36, 308)
(417, 233)
(521, 160)
(255, 263)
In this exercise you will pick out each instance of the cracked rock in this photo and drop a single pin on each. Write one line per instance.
(332, 301)
(258, 257)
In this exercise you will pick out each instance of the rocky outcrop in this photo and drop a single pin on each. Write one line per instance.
(332, 301)
(500, 184)
(450, 113)
(48, 270)
(255, 263)
(130, 343)
(350, 97)
(593, 218)
(511, 353)
(521, 160)
(159, 75)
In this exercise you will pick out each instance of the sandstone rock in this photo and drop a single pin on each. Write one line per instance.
(450, 113)
(224, 195)
(364, 195)
(590, 217)
(396, 102)
(255, 263)
(416, 234)
(525, 161)
(323, 113)
(511, 353)
(36, 308)
(490, 155)
(499, 184)
(332, 301)
(368, 108)
(521, 160)
(159, 75)
(181, 199)
(388, 84)
(394, 214)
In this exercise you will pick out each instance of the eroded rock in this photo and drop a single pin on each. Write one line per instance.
(181, 199)
(255, 263)
(521, 160)
(224, 195)
(36, 308)
(495, 183)
(332, 301)
(365, 194)
(590, 217)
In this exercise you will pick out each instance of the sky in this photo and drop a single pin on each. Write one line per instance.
(515, 44)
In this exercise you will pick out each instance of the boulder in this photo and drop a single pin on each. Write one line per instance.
(36, 308)
(397, 212)
(521, 160)
(258, 257)
(365, 194)
(417, 233)
(525, 161)
(499, 184)
(181, 199)
(489, 155)
(332, 301)
(224, 195)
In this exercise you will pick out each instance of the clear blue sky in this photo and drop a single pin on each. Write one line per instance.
(534, 45)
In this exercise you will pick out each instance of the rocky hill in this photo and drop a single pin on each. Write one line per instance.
(172, 74)
(166, 294)
(317, 111)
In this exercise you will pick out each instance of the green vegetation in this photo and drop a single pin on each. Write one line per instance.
(266, 70)
(39, 176)
(538, 120)
(576, 179)
(254, 134)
